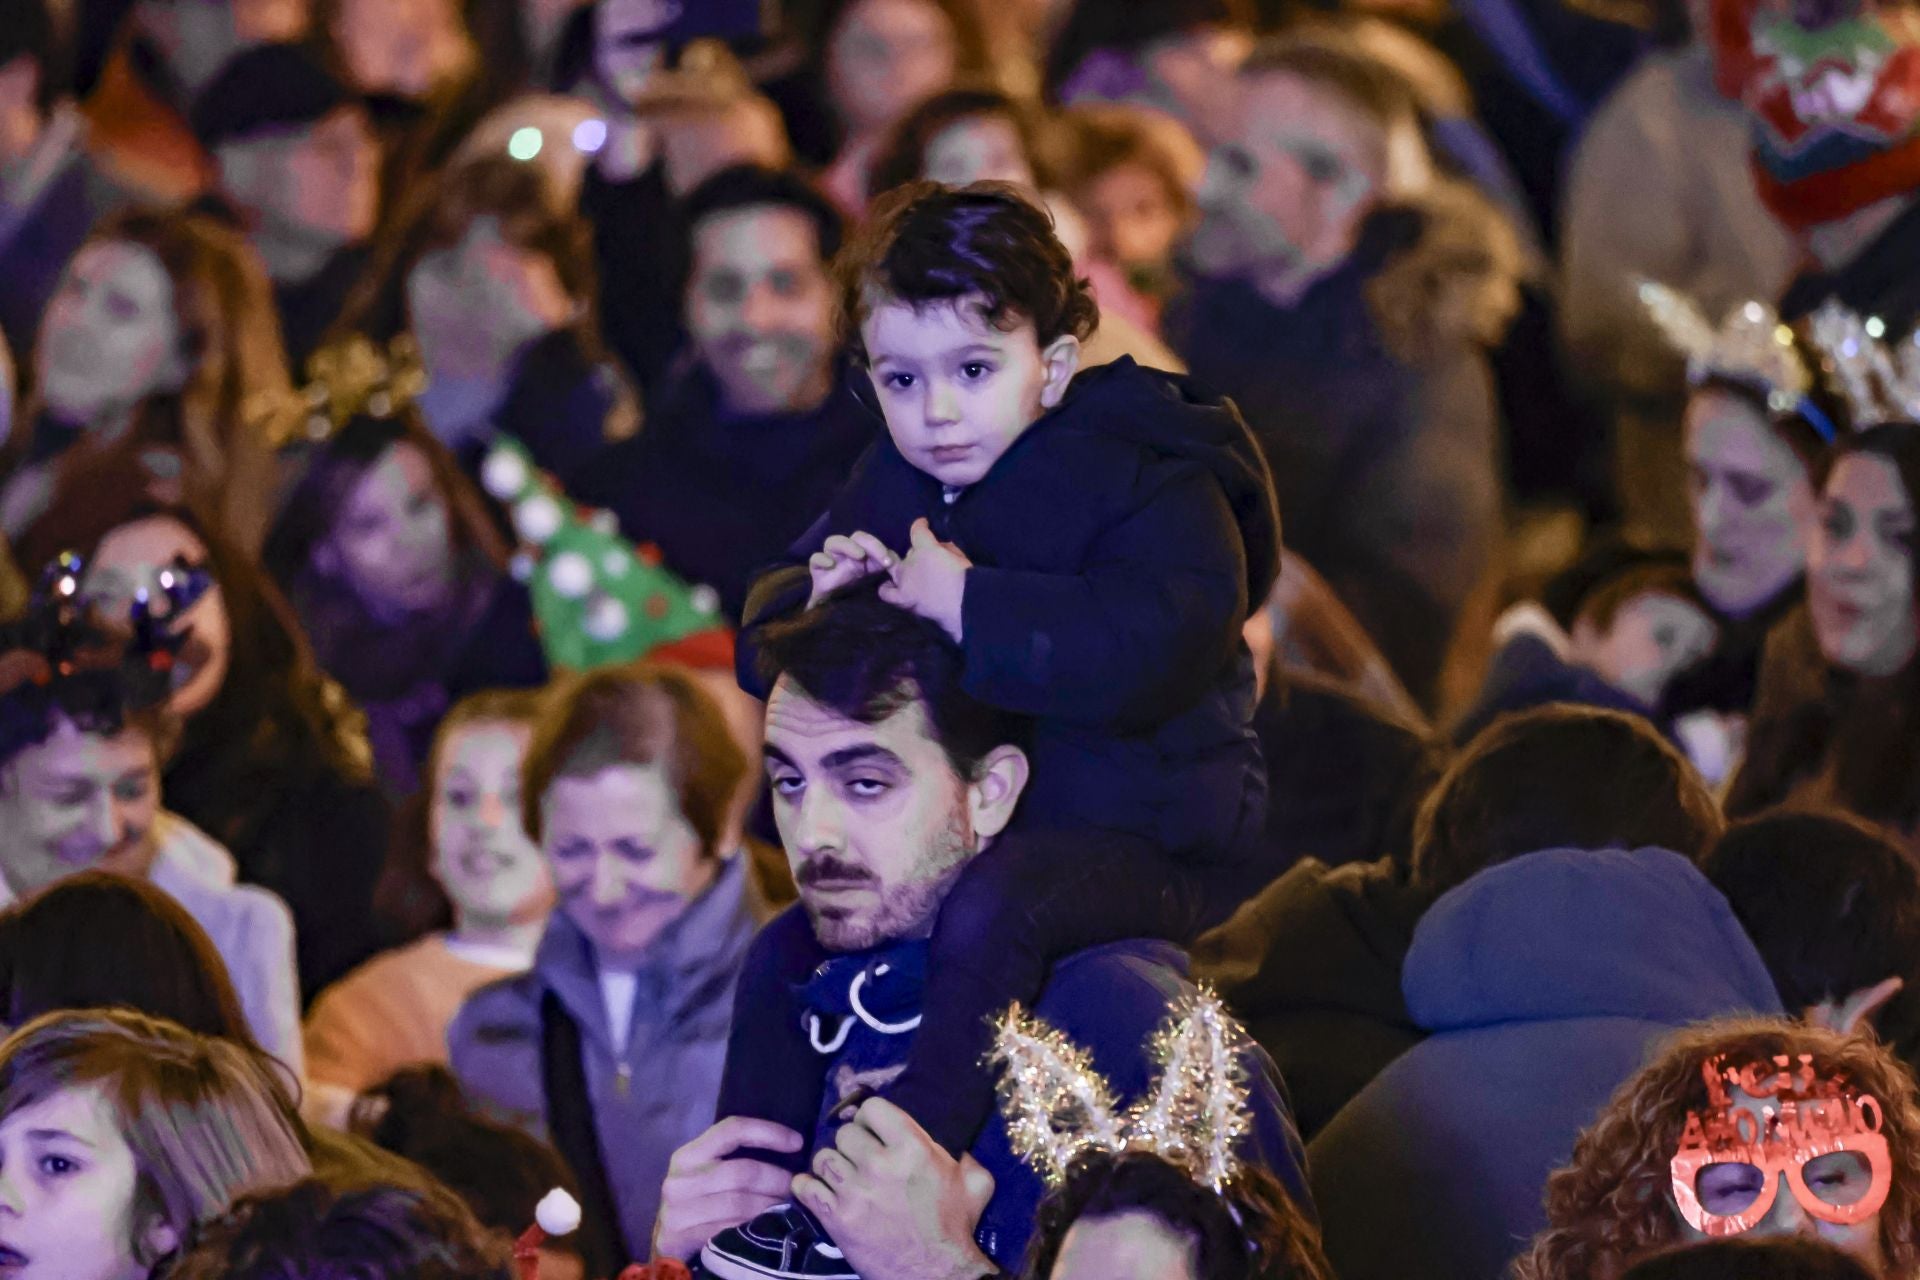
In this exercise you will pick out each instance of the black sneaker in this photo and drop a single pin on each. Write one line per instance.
(784, 1243)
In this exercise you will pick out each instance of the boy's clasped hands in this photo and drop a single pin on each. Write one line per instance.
(930, 580)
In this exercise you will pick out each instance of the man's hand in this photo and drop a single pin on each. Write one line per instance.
(897, 1205)
(931, 581)
(706, 1192)
(845, 559)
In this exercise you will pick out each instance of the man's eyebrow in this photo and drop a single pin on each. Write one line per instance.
(861, 755)
(772, 752)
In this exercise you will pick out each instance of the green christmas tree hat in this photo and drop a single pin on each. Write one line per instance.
(598, 599)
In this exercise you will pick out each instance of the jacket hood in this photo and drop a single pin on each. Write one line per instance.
(1176, 417)
(1572, 933)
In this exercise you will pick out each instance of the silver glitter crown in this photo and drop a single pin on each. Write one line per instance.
(1750, 346)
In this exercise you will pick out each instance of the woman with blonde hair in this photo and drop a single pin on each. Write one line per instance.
(120, 1134)
(161, 343)
(1748, 1127)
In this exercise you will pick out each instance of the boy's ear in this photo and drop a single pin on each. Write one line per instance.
(1061, 359)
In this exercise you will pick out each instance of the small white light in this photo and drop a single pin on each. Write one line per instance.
(1876, 327)
(525, 143)
(589, 136)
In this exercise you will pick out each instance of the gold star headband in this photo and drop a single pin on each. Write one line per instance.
(346, 380)
(1058, 1107)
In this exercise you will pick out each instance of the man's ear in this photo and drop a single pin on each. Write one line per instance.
(1061, 359)
(996, 789)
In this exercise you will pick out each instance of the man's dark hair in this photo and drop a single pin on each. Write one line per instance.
(360, 1232)
(1783, 1258)
(865, 659)
(747, 186)
(1560, 777)
(27, 31)
(926, 244)
(1249, 1232)
(1831, 903)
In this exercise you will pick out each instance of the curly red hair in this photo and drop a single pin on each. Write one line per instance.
(1614, 1203)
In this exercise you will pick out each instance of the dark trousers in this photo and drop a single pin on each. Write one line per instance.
(1028, 900)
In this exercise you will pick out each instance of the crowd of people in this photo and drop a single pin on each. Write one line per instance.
(934, 639)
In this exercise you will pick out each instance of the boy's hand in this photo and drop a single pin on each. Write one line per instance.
(845, 559)
(931, 581)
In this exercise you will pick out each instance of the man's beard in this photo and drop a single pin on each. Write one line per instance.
(907, 909)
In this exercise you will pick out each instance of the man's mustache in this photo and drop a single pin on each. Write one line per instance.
(812, 873)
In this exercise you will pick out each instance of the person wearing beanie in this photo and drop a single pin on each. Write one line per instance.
(1832, 96)
(300, 165)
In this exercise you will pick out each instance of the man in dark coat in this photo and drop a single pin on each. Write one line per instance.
(754, 433)
(1379, 420)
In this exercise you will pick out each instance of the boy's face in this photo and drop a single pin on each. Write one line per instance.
(1654, 637)
(957, 390)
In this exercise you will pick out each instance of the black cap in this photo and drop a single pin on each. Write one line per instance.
(273, 86)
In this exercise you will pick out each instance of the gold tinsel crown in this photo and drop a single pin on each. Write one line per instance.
(345, 380)
(1058, 1107)
(1750, 346)
(1880, 381)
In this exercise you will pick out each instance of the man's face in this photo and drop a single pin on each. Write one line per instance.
(875, 822)
(1289, 184)
(957, 390)
(321, 182)
(760, 309)
(75, 802)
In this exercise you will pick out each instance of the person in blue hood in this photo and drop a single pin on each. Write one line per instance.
(889, 783)
(1312, 965)
(1093, 545)
(1542, 984)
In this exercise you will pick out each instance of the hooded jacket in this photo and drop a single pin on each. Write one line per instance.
(1382, 443)
(645, 1101)
(1117, 547)
(1543, 983)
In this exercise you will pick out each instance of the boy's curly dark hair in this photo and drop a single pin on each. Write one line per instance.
(925, 243)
